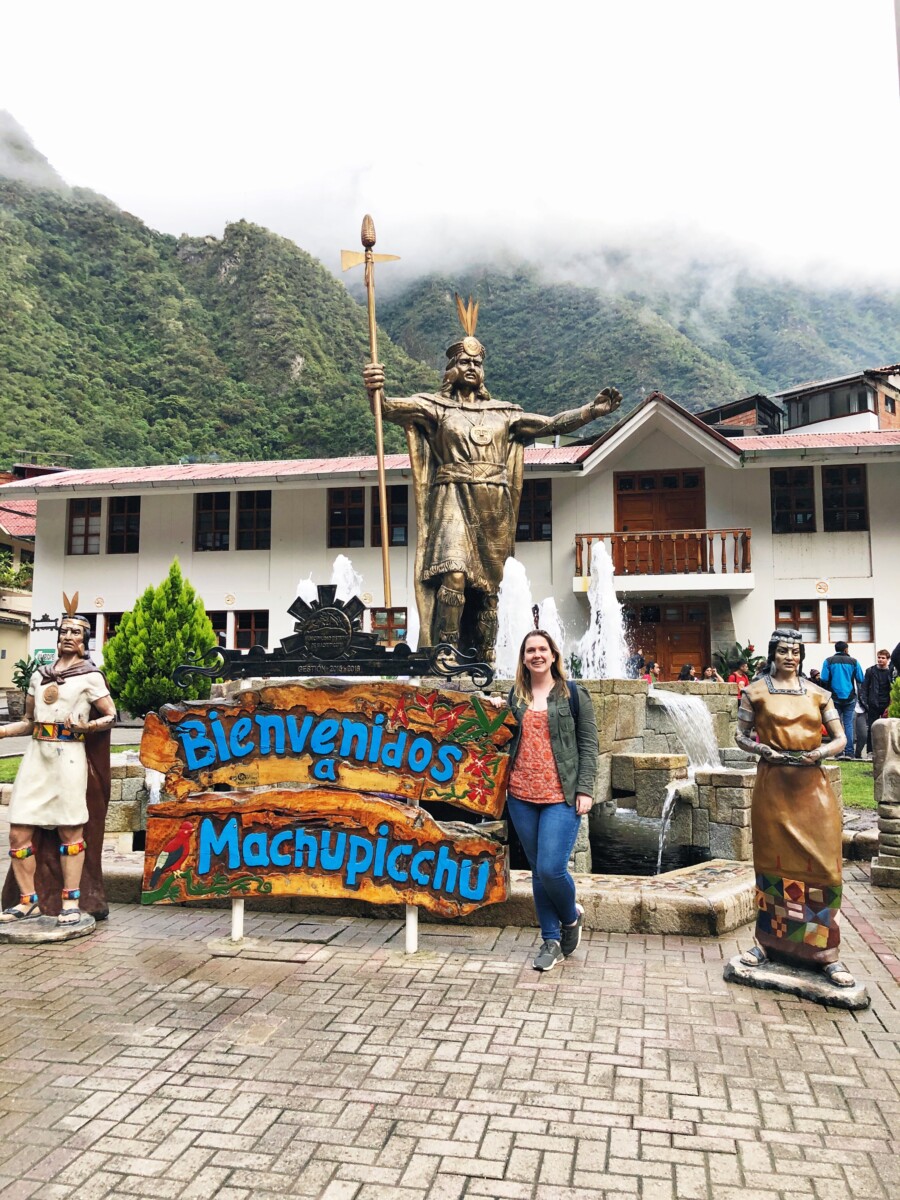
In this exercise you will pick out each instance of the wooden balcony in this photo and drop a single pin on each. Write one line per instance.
(669, 552)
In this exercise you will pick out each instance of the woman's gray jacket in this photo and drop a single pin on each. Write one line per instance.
(574, 743)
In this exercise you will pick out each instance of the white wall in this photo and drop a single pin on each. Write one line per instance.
(785, 567)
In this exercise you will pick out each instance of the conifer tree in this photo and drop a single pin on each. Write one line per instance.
(166, 626)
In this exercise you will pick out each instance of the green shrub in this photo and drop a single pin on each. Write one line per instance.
(167, 625)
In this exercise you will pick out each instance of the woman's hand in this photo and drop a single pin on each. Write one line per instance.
(496, 701)
(769, 755)
(583, 804)
(812, 757)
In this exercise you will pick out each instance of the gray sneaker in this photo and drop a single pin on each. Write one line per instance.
(571, 934)
(548, 956)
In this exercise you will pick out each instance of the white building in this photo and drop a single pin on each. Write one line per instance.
(714, 539)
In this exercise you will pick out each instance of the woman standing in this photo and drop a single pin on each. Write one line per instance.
(551, 786)
(796, 817)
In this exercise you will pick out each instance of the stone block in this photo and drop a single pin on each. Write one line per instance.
(889, 860)
(123, 816)
(884, 875)
(628, 746)
(115, 789)
(674, 764)
(599, 687)
(117, 770)
(681, 829)
(630, 722)
(132, 788)
(886, 760)
(655, 743)
(886, 826)
(622, 772)
(700, 831)
(603, 784)
(890, 812)
(134, 771)
(889, 842)
(606, 710)
(726, 841)
(650, 791)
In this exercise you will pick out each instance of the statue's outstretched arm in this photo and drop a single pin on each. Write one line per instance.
(532, 425)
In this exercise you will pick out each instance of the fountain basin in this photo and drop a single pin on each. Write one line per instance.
(707, 900)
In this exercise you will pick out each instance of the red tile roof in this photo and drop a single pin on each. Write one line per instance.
(18, 518)
(821, 441)
(237, 472)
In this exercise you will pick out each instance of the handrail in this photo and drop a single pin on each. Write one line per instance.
(669, 551)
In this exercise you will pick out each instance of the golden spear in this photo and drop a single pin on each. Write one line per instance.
(353, 258)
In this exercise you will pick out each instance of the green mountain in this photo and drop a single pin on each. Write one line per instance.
(554, 344)
(120, 345)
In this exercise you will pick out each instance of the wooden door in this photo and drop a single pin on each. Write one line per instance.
(636, 514)
(660, 501)
(673, 633)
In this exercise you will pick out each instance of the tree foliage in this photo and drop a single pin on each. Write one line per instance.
(167, 625)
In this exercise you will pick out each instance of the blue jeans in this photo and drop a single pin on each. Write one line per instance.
(547, 833)
(845, 710)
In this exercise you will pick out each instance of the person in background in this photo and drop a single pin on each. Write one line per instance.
(554, 756)
(688, 673)
(740, 676)
(652, 671)
(711, 675)
(634, 664)
(842, 675)
(875, 693)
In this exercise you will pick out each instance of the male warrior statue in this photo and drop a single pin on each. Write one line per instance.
(467, 454)
(51, 788)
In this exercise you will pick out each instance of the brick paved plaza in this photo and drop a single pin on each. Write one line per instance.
(135, 1063)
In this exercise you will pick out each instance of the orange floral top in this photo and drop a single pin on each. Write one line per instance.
(534, 776)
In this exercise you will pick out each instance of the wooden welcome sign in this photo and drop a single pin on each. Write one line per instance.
(318, 843)
(366, 754)
(379, 737)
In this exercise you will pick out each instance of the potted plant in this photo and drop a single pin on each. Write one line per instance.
(23, 670)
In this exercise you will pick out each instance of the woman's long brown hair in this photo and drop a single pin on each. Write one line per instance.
(522, 685)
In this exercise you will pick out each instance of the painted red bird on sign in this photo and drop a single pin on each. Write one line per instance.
(171, 854)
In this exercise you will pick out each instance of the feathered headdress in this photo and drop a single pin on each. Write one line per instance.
(468, 318)
(71, 613)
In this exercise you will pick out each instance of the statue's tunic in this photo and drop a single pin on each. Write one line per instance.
(467, 461)
(797, 825)
(51, 784)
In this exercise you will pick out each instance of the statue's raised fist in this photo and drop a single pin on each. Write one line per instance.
(606, 401)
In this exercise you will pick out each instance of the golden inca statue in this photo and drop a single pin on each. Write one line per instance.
(467, 455)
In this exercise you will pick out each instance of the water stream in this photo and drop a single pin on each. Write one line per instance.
(603, 649)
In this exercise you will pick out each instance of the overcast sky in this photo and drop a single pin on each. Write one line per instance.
(503, 128)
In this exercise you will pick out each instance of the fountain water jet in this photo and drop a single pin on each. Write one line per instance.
(514, 617)
(603, 649)
(549, 620)
(348, 581)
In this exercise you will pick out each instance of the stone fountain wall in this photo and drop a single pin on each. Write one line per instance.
(641, 756)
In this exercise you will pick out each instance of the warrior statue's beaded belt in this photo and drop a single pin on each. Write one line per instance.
(49, 731)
